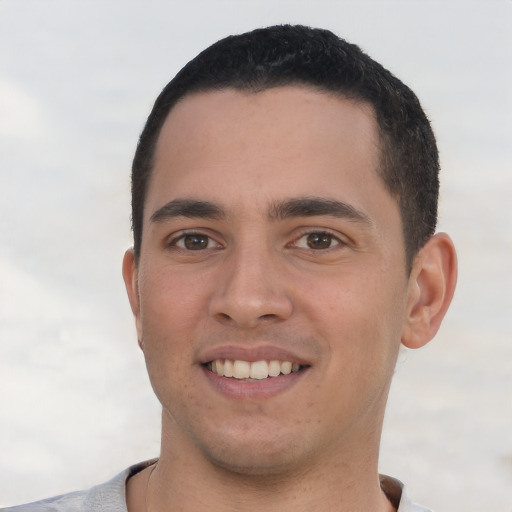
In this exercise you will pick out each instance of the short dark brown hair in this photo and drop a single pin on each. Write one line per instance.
(298, 55)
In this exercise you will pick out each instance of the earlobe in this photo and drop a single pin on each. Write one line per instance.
(431, 287)
(131, 281)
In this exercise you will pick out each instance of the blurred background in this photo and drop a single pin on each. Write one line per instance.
(77, 81)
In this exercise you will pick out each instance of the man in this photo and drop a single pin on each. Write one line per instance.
(284, 203)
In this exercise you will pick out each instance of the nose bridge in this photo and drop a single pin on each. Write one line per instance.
(251, 286)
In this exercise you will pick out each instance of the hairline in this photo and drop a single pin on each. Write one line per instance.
(384, 144)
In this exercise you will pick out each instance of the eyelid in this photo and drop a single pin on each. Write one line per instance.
(173, 239)
(340, 241)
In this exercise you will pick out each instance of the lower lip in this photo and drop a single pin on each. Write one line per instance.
(265, 388)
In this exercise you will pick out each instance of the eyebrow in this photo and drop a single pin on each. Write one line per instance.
(280, 210)
(188, 208)
(313, 207)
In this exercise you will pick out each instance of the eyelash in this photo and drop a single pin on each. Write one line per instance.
(333, 240)
(173, 242)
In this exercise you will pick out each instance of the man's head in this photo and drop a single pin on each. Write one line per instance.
(271, 288)
(297, 55)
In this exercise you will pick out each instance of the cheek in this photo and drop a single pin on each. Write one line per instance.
(171, 304)
(360, 315)
(171, 308)
(360, 329)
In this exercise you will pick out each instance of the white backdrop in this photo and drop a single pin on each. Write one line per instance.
(77, 80)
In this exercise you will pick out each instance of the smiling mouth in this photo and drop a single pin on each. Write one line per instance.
(252, 371)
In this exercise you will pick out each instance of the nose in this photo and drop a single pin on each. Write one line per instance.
(251, 290)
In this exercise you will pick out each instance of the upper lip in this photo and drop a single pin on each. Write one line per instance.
(251, 354)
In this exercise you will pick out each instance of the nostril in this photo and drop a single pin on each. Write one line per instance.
(246, 310)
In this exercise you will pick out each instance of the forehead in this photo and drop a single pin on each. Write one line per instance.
(261, 146)
(289, 112)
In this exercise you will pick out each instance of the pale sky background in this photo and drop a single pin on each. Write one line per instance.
(77, 81)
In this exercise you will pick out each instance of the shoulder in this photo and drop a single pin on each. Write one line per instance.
(108, 496)
(71, 502)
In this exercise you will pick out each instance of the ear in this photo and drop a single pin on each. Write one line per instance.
(131, 281)
(431, 287)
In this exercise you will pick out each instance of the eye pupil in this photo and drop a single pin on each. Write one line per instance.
(195, 242)
(319, 241)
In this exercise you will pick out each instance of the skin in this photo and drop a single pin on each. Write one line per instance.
(258, 284)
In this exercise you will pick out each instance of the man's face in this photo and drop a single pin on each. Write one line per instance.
(270, 242)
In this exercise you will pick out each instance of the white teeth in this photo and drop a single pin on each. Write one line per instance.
(241, 369)
(286, 367)
(228, 369)
(274, 368)
(218, 367)
(257, 370)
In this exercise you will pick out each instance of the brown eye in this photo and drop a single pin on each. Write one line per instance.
(193, 242)
(319, 240)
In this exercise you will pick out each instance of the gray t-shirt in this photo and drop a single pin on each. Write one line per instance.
(111, 496)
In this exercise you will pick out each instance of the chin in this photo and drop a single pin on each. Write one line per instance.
(253, 464)
(247, 454)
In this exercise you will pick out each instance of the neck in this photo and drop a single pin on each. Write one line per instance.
(184, 481)
(172, 492)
